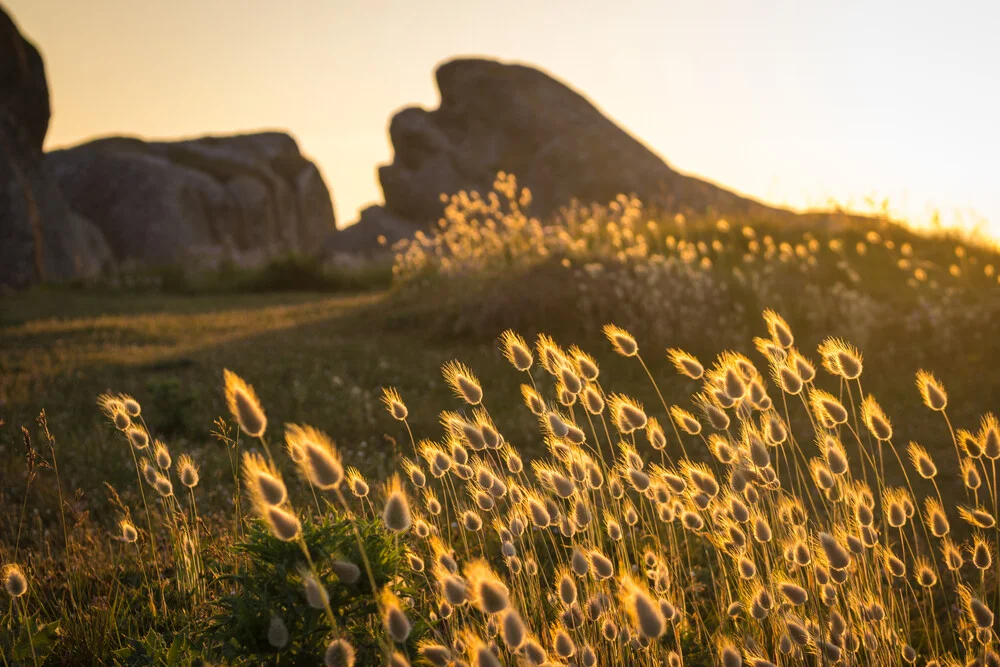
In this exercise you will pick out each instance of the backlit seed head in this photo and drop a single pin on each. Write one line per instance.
(931, 391)
(187, 471)
(463, 382)
(128, 530)
(982, 552)
(978, 517)
(316, 456)
(621, 340)
(685, 363)
(244, 405)
(394, 619)
(438, 655)
(396, 511)
(283, 525)
(979, 614)
(263, 481)
(989, 437)
(489, 593)
(356, 483)
(876, 421)
(922, 461)
(138, 437)
(646, 615)
(533, 400)
(935, 517)
(14, 581)
(163, 486)
(923, 573)
(394, 403)
(970, 474)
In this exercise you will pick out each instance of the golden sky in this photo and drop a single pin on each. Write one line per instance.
(793, 103)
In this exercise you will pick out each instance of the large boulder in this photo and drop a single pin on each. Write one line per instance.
(243, 198)
(504, 117)
(40, 236)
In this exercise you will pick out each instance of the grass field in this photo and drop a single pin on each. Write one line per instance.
(324, 359)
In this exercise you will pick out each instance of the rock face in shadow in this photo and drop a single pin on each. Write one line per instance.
(243, 198)
(40, 236)
(504, 117)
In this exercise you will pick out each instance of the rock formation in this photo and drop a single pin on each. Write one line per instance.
(40, 237)
(495, 116)
(244, 197)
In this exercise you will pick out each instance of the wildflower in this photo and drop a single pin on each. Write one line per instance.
(244, 405)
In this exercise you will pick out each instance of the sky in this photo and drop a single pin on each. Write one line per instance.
(796, 103)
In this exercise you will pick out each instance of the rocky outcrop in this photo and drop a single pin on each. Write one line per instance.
(242, 198)
(40, 237)
(503, 117)
(373, 234)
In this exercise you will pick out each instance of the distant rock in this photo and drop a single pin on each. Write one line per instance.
(40, 237)
(495, 116)
(373, 234)
(243, 198)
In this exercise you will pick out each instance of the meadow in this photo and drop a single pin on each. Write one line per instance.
(781, 451)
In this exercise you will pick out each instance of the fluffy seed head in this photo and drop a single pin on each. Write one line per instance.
(397, 625)
(394, 403)
(161, 455)
(187, 471)
(244, 405)
(685, 363)
(931, 391)
(621, 340)
(346, 571)
(128, 530)
(489, 593)
(647, 618)
(277, 633)
(316, 456)
(463, 382)
(339, 653)
(137, 437)
(283, 524)
(14, 581)
(263, 481)
(396, 512)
